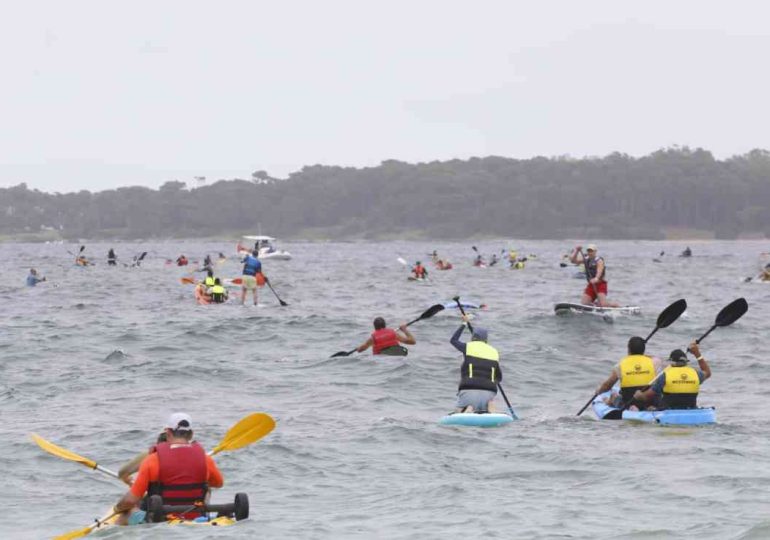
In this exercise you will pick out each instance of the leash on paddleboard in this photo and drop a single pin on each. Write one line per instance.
(499, 386)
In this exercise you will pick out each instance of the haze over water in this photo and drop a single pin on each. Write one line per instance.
(95, 359)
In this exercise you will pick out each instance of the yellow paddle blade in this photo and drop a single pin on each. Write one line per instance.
(84, 531)
(248, 430)
(58, 451)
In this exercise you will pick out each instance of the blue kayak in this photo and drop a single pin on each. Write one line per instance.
(476, 419)
(669, 417)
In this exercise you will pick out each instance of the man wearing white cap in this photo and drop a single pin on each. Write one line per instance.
(596, 290)
(179, 470)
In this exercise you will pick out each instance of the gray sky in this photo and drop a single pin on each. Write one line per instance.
(96, 95)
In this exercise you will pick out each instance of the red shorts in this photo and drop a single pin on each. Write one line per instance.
(601, 287)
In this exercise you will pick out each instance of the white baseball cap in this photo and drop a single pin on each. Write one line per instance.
(179, 421)
(591, 247)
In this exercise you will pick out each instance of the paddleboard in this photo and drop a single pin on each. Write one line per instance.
(565, 308)
(476, 419)
(464, 304)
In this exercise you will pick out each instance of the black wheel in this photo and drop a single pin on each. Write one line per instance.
(241, 506)
(155, 509)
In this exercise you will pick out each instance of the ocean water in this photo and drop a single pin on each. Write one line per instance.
(96, 358)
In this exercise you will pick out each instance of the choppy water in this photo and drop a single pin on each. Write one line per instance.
(357, 451)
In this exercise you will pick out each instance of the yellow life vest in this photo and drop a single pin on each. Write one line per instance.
(636, 370)
(217, 289)
(681, 380)
(209, 281)
(480, 349)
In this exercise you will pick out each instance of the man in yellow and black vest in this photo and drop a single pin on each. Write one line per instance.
(634, 372)
(479, 373)
(679, 384)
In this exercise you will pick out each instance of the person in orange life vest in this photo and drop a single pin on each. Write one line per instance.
(386, 340)
(596, 289)
(634, 372)
(419, 271)
(179, 470)
(679, 384)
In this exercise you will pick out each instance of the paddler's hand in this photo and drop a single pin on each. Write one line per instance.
(466, 319)
(638, 395)
(403, 327)
(694, 349)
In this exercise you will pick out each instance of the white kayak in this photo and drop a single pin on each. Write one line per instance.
(566, 308)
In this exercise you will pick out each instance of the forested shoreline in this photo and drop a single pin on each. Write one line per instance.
(616, 196)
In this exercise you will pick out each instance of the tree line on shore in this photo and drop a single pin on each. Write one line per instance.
(616, 196)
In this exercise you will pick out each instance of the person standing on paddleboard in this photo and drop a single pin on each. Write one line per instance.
(596, 289)
(251, 268)
(178, 470)
(387, 341)
(112, 259)
(479, 373)
(679, 384)
(635, 371)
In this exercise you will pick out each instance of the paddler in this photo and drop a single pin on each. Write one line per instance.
(181, 260)
(112, 259)
(209, 280)
(678, 385)
(33, 279)
(178, 470)
(765, 273)
(387, 341)
(218, 293)
(419, 271)
(596, 289)
(687, 252)
(479, 373)
(635, 371)
(251, 267)
(207, 263)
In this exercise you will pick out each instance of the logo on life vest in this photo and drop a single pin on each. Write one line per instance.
(638, 367)
(683, 376)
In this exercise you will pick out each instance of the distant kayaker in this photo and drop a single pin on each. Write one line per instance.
(80, 260)
(112, 259)
(207, 263)
(222, 256)
(419, 271)
(218, 293)
(494, 259)
(635, 371)
(479, 261)
(387, 341)
(596, 290)
(33, 279)
(480, 371)
(209, 280)
(178, 470)
(678, 385)
(687, 252)
(182, 260)
(251, 267)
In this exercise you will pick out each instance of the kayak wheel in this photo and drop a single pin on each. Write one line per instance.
(241, 506)
(155, 509)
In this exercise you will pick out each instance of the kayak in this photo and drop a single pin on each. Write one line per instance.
(476, 419)
(200, 297)
(214, 521)
(668, 417)
(565, 308)
(464, 304)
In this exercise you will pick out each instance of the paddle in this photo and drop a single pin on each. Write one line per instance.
(665, 319)
(499, 386)
(427, 314)
(87, 530)
(267, 281)
(729, 314)
(246, 431)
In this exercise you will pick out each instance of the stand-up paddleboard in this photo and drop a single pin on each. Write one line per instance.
(464, 304)
(476, 419)
(413, 278)
(565, 308)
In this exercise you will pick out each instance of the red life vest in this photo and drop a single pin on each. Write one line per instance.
(384, 338)
(183, 474)
(419, 271)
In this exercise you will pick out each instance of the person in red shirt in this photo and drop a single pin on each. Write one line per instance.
(387, 341)
(179, 470)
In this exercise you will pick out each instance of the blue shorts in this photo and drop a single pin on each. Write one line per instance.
(137, 517)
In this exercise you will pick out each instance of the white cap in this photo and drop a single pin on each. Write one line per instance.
(592, 247)
(179, 421)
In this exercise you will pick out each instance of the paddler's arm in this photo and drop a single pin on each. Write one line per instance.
(702, 364)
(131, 467)
(137, 490)
(407, 338)
(215, 478)
(455, 339)
(575, 256)
(609, 383)
(365, 345)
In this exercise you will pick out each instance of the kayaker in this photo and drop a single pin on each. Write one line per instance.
(251, 267)
(480, 371)
(33, 279)
(209, 280)
(387, 341)
(222, 257)
(218, 293)
(419, 271)
(596, 289)
(765, 273)
(635, 371)
(678, 385)
(80, 260)
(493, 261)
(112, 259)
(178, 470)
(182, 260)
(687, 252)
(207, 264)
(479, 260)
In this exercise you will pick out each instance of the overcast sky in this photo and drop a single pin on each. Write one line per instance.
(96, 95)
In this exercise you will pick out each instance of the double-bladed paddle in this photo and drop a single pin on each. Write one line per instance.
(665, 319)
(427, 314)
(499, 386)
(727, 316)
